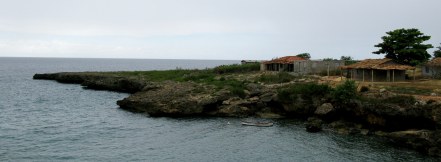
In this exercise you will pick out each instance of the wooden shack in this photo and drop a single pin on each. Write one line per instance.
(378, 70)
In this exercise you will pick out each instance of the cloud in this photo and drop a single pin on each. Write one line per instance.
(59, 48)
(207, 29)
(172, 28)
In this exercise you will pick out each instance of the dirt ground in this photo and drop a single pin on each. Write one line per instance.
(421, 89)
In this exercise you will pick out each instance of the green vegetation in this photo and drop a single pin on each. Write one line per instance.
(400, 100)
(236, 68)
(437, 53)
(348, 60)
(405, 46)
(364, 89)
(409, 90)
(281, 77)
(216, 76)
(306, 56)
(306, 90)
(343, 93)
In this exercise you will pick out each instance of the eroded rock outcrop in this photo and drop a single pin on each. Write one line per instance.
(411, 125)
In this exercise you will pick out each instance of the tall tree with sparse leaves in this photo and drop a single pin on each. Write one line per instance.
(437, 53)
(306, 56)
(405, 46)
(348, 60)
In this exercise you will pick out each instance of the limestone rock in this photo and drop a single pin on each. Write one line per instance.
(324, 109)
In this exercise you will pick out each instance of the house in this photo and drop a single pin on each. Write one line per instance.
(432, 68)
(299, 65)
(281, 64)
(378, 70)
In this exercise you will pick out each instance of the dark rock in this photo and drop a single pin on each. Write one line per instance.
(425, 141)
(313, 125)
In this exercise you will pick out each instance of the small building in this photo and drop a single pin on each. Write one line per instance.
(281, 64)
(432, 68)
(301, 66)
(378, 70)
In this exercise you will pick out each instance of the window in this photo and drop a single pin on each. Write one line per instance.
(427, 69)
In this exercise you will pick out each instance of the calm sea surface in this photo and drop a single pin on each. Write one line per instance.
(48, 121)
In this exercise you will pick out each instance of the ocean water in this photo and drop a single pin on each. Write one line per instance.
(48, 121)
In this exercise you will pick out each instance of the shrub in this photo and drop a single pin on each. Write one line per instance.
(343, 93)
(364, 89)
(236, 68)
(306, 90)
(281, 77)
(201, 76)
(400, 100)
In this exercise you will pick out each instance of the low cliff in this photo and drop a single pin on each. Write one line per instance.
(412, 124)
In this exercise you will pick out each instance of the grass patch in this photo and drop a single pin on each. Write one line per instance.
(400, 100)
(281, 77)
(237, 68)
(409, 90)
(214, 76)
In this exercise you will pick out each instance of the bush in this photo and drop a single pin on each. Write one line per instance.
(236, 68)
(401, 100)
(343, 93)
(306, 90)
(364, 89)
(281, 77)
(201, 76)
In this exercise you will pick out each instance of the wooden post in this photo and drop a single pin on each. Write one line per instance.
(393, 75)
(341, 71)
(414, 74)
(363, 75)
(352, 74)
(328, 69)
(388, 76)
(372, 75)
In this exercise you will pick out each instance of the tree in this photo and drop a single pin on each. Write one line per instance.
(306, 56)
(437, 53)
(328, 59)
(405, 46)
(348, 60)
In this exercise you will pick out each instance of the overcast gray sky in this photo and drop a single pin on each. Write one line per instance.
(208, 29)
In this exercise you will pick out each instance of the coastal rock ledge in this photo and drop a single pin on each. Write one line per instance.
(411, 125)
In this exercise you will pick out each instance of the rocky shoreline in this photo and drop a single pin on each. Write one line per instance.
(414, 125)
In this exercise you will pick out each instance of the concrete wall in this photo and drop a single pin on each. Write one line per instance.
(430, 71)
(303, 67)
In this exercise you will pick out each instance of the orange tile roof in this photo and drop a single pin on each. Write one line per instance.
(435, 62)
(378, 64)
(285, 60)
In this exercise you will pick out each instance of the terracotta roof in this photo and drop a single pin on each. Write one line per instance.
(435, 62)
(378, 64)
(285, 60)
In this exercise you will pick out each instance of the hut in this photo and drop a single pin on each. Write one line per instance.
(378, 70)
(432, 68)
(281, 64)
